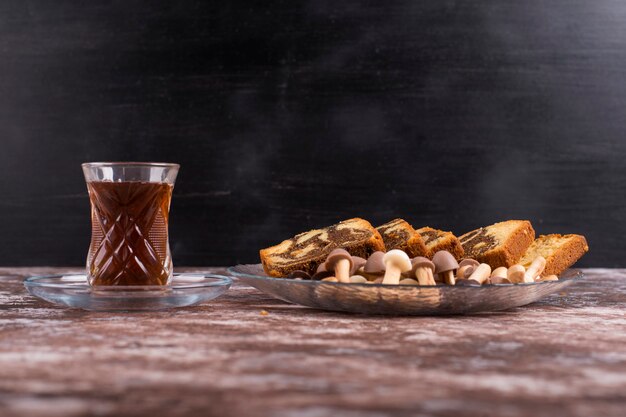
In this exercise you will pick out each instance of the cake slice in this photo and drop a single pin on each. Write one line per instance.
(560, 251)
(398, 234)
(436, 240)
(307, 250)
(501, 244)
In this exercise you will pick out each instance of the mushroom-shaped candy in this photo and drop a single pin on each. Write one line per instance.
(445, 264)
(516, 273)
(423, 270)
(481, 273)
(464, 271)
(357, 263)
(468, 262)
(466, 267)
(396, 262)
(535, 269)
(499, 280)
(374, 267)
(340, 261)
(499, 272)
(498, 276)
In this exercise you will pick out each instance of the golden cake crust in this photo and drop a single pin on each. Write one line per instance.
(501, 244)
(436, 240)
(398, 234)
(560, 252)
(307, 250)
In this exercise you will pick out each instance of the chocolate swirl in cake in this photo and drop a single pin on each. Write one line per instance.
(478, 241)
(436, 240)
(316, 242)
(399, 234)
(429, 236)
(394, 233)
(307, 250)
(500, 244)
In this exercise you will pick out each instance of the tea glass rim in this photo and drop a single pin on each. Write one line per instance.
(127, 164)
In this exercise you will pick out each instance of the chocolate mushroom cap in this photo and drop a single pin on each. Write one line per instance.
(375, 264)
(469, 261)
(444, 261)
(421, 262)
(357, 262)
(335, 256)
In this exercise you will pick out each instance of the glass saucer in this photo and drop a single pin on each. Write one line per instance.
(72, 290)
(401, 299)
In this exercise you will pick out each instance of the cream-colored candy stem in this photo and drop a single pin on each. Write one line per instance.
(499, 272)
(464, 271)
(481, 273)
(448, 277)
(424, 276)
(515, 274)
(431, 277)
(392, 274)
(342, 270)
(535, 269)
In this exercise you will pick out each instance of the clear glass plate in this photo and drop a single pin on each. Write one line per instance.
(401, 299)
(72, 290)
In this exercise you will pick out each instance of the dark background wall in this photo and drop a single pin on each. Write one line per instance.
(288, 115)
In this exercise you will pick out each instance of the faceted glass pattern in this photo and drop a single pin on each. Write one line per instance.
(129, 239)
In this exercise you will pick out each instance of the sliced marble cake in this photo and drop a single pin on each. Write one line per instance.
(560, 252)
(436, 240)
(398, 234)
(307, 250)
(501, 244)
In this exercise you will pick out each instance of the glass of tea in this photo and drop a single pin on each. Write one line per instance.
(130, 204)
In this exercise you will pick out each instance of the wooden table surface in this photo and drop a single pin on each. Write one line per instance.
(563, 356)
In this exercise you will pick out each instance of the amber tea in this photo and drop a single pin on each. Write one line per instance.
(129, 237)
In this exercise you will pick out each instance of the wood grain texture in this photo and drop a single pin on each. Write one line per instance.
(291, 115)
(562, 356)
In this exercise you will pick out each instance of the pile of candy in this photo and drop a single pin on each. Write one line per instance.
(396, 268)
